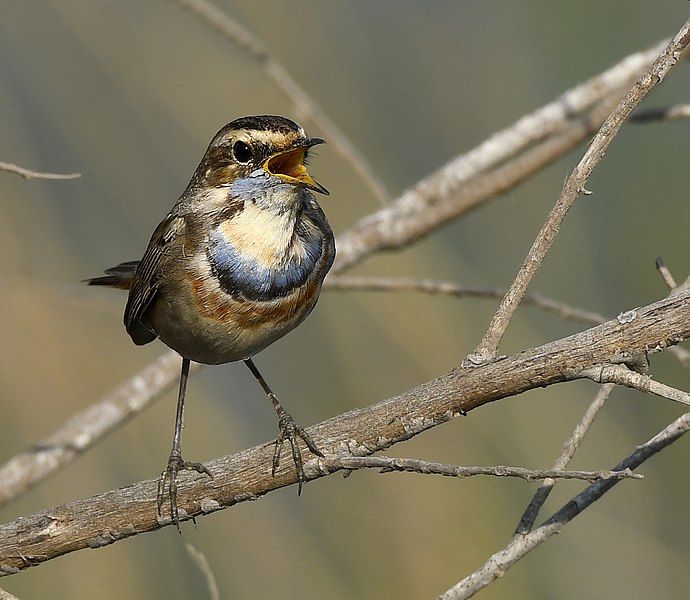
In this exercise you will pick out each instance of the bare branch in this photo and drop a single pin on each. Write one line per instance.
(621, 375)
(569, 448)
(85, 428)
(28, 174)
(305, 106)
(520, 545)
(201, 562)
(115, 515)
(671, 113)
(495, 166)
(425, 467)
(574, 186)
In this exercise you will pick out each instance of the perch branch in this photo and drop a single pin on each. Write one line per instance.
(305, 106)
(569, 448)
(574, 186)
(425, 467)
(118, 514)
(520, 545)
(28, 174)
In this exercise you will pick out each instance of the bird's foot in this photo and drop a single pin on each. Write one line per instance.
(290, 431)
(169, 477)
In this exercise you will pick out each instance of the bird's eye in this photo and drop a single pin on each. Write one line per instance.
(242, 152)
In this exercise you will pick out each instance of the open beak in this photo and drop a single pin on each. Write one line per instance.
(289, 166)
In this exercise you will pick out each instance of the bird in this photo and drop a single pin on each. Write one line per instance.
(237, 263)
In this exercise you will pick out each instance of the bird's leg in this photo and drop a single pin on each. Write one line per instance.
(288, 430)
(175, 462)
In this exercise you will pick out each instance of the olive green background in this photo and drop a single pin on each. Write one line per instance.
(129, 93)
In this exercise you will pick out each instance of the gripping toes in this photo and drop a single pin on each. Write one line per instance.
(290, 431)
(169, 477)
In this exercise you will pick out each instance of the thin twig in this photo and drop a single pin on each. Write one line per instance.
(29, 174)
(425, 467)
(569, 448)
(448, 288)
(495, 166)
(621, 375)
(666, 274)
(305, 106)
(85, 428)
(520, 545)
(391, 284)
(671, 113)
(201, 562)
(130, 510)
(574, 186)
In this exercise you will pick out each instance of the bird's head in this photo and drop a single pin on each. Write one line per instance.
(261, 151)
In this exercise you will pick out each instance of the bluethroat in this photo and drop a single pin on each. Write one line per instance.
(235, 265)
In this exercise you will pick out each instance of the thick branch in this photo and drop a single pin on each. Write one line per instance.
(424, 467)
(118, 514)
(520, 545)
(29, 174)
(574, 186)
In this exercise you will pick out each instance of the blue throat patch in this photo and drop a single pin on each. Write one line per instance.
(241, 275)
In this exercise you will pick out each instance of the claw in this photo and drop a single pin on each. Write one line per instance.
(175, 465)
(290, 432)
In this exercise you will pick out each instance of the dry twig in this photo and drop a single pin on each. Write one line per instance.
(448, 288)
(574, 186)
(201, 562)
(115, 515)
(29, 174)
(305, 106)
(666, 274)
(520, 545)
(425, 467)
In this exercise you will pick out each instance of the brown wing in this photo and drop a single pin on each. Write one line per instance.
(147, 278)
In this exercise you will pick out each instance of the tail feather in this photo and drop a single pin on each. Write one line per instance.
(117, 277)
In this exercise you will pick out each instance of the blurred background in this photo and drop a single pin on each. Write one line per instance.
(129, 94)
